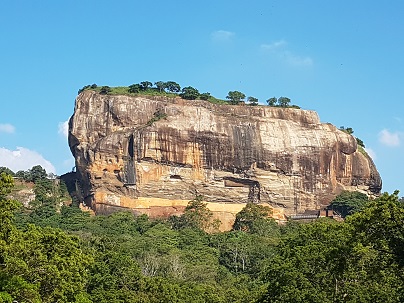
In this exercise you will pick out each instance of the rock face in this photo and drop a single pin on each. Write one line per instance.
(154, 154)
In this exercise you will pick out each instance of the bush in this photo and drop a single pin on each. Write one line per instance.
(204, 96)
(189, 93)
(105, 90)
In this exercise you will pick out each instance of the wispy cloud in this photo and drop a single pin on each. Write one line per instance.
(279, 48)
(222, 35)
(63, 128)
(7, 128)
(371, 153)
(23, 159)
(389, 139)
(274, 45)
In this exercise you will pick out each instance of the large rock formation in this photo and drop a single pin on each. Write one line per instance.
(154, 154)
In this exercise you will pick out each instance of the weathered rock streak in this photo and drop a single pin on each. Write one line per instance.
(154, 154)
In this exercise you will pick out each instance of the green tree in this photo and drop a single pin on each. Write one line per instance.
(38, 265)
(173, 87)
(7, 171)
(359, 260)
(309, 265)
(347, 130)
(235, 97)
(160, 85)
(349, 202)
(7, 207)
(134, 88)
(45, 262)
(204, 96)
(144, 85)
(283, 101)
(235, 254)
(253, 101)
(360, 142)
(113, 274)
(21, 174)
(83, 89)
(196, 215)
(272, 101)
(105, 90)
(36, 173)
(380, 226)
(255, 218)
(189, 93)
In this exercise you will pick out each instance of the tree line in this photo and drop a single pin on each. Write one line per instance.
(189, 93)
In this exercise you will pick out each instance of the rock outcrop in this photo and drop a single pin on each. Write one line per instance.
(154, 154)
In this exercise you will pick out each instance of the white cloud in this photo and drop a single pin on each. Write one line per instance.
(222, 35)
(7, 128)
(371, 153)
(279, 49)
(274, 45)
(63, 128)
(23, 159)
(389, 139)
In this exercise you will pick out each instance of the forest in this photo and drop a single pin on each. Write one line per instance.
(51, 251)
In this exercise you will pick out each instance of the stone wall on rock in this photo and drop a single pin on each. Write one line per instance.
(153, 154)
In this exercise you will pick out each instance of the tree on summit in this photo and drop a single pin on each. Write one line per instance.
(272, 101)
(347, 130)
(235, 97)
(189, 93)
(172, 86)
(280, 102)
(204, 96)
(283, 101)
(160, 85)
(252, 101)
(134, 88)
(145, 85)
(105, 90)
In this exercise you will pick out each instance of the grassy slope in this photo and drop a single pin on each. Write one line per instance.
(124, 90)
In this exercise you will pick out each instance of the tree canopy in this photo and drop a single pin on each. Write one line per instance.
(235, 97)
(280, 102)
(189, 93)
(51, 253)
(349, 202)
(252, 101)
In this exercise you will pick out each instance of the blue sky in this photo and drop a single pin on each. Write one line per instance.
(343, 59)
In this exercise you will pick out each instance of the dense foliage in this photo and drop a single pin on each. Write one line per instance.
(349, 202)
(66, 255)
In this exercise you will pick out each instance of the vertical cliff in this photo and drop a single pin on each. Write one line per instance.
(154, 154)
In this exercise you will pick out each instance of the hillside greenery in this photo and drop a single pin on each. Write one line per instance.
(54, 253)
(173, 89)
